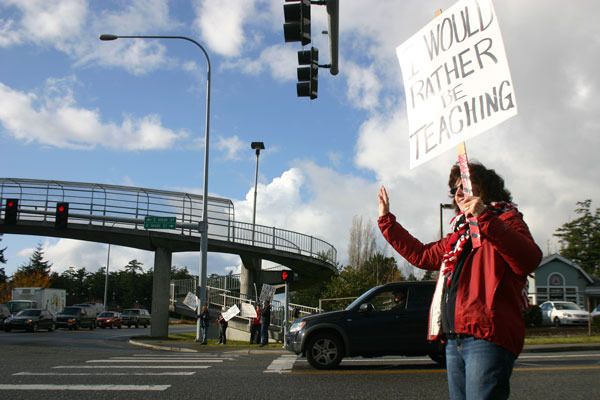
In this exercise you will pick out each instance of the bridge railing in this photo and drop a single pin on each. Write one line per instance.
(126, 207)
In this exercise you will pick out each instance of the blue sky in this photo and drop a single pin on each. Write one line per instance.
(131, 112)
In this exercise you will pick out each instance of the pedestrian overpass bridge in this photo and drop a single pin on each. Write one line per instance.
(116, 214)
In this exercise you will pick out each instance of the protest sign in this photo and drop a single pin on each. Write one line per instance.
(231, 312)
(248, 311)
(456, 79)
(266, 293)
(191, 300)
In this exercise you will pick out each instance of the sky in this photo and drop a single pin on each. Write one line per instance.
(132, 112)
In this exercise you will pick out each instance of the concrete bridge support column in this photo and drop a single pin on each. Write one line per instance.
(159, 326)
(250, 276)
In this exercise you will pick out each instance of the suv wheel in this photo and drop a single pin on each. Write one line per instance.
(556, 322)
(324, 351)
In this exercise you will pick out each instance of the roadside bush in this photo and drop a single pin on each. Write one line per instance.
(533, 316)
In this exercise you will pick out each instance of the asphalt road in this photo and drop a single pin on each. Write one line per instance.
(102, 364)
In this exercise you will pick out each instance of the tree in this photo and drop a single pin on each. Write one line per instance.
(36, 273)
(37, 263)
(362, 243)
(580, 238)
(2, 259)
(134, 267)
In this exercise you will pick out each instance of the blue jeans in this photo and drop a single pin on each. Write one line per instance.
(204, 334)
(264, 333)
(478, 369)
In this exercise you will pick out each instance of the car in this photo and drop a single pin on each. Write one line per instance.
(135, 317)
(74, 318)
(559, 313)
(30, 319)
(391, 319)
(109, 319)
(4, 313)
(596, 311)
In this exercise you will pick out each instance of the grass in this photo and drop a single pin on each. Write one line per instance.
(561, 335)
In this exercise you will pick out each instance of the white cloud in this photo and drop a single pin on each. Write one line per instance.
(53, 118)
(363, 86)
(231, 146)
(221, 24)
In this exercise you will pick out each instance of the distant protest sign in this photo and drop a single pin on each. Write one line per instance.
(248, 311)
(456, 79)
(191, 300)
(231, 312)
(266, 293)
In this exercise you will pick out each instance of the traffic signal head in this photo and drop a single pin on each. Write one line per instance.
(11, 208)
(297, 21)
(308, 74)
(61, 219)
(287, 276)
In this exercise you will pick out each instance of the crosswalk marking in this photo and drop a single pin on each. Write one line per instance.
(196, 360)
(283, 364)
(182, 373)
(87, 387)
(132, 366)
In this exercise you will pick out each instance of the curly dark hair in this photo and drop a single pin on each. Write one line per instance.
(490, 184)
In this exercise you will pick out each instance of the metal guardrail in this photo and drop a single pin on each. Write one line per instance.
(126, 207)
(222, 298)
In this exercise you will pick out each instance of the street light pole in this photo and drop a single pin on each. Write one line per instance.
(442, 206)
(203, 226)
(258, 146)
(106, 278)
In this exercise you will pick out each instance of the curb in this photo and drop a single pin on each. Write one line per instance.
(163, 348)
(554, 348)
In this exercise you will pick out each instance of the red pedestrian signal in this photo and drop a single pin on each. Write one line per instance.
(286, 276)
(61, 219)
(11, 209)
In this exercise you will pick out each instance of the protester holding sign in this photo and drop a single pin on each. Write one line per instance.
(204, 324)
(478, 303)
(265, 321)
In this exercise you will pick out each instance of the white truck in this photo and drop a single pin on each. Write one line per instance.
(49, 299)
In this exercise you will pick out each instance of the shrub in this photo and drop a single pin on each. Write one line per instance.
(533, 316)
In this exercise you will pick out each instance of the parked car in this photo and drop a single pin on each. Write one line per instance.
(75, 317)
(559, 313)
(596, 311)
(30, 319)
(135, 317)
(386, 320)
(109, 319)
(4, 313)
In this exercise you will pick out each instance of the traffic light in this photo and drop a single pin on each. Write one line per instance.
(297, 21)
(10, 211)
(287, 276)
(62, 215)
(308, 76)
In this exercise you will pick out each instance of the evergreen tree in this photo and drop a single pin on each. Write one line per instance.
(2, 259)
(36, 273)
(580, 238)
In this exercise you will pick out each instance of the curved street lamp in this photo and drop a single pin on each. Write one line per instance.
(203, 227)
(257, 146)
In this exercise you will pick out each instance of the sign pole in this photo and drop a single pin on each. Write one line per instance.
(465, 177)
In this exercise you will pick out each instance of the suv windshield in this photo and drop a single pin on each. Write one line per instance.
(131, 312)
(70, 310)
(361, 298)
(29, 313)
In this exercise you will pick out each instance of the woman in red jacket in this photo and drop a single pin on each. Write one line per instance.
(478, 303)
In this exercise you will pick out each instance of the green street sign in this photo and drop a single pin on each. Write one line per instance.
(153, 222)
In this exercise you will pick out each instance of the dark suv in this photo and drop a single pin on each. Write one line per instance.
(76, 317)
(391, 319)
(135, 317)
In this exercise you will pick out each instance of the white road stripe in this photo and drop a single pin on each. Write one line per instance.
(137, 359)
(183, 355)
(132, 366)
(195, 360)
(88, 388)
(104, 373)
(281, 365)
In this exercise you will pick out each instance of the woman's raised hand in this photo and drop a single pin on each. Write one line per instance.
(384, 202)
